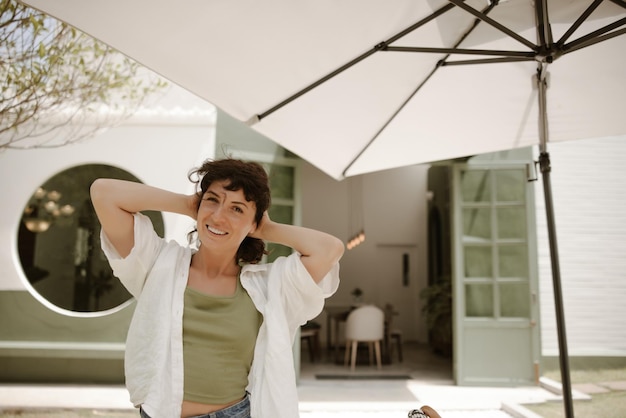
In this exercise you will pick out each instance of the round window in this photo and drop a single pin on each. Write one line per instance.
(59, 243)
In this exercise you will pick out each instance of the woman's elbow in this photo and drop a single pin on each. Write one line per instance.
(336, 249)
(103, 192)
(98, 188)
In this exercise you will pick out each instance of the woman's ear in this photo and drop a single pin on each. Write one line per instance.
(253, 228)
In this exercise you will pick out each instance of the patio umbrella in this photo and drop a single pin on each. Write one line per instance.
(356, 86)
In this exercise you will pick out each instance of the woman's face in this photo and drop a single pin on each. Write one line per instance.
(225, 217)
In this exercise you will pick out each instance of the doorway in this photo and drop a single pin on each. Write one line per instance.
(483, 265)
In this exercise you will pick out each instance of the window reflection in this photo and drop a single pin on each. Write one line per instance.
(475, 186)
(59, 243)
(514, 299)
(479, 300)
(478, 261)
(477, 224)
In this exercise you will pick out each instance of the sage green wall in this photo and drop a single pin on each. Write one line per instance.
(25, 322)
(233, 135)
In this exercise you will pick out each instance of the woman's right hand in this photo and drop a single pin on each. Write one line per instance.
(193, 203)
(115, 202)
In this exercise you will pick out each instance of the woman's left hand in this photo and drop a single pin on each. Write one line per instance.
(318, 250)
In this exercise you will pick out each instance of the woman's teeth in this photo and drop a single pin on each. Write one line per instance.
(216, 231)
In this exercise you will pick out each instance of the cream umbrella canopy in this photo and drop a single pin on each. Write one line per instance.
(356, 86)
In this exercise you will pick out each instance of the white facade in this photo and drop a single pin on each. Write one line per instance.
(159, 147)
(589, 189)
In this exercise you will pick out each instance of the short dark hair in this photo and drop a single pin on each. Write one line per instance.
(248, 176)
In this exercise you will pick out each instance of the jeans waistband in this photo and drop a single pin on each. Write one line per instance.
(239, 410)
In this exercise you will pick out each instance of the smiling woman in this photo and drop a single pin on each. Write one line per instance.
(59, 247)
(209, 309)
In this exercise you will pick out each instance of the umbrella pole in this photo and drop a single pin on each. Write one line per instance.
(544, 164)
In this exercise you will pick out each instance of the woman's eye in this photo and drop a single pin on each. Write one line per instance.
(238, 209)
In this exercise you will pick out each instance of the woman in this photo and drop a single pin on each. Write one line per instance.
(212, 331)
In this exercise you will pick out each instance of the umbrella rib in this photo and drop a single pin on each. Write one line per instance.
(316, 83)
(620, 3)
(461, 51)
(398, 110)
(376, 48)
(493, 23)
(544, 32)
(595, 37)
(578, 22)
(419, 24)
(487, 61)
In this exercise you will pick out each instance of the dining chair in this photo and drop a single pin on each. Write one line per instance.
(365, 324)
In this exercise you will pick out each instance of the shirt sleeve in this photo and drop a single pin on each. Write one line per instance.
(133, 269)
(287, 296)
(302, 298)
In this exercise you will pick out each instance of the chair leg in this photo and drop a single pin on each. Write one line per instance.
(311, 349)
(347, 355)
(370, 352)
(377, 347)
(316, 346)
(354, 349)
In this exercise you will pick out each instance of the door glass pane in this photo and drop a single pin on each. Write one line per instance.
(514, 300)
(479, 300)
(477, 223)
(475, 186)
(282, 214)
(282, 179)
(478, 261)
(510, 185)
(513, 261)
(511, 223)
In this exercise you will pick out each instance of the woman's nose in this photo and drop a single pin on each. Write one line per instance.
(218, 213)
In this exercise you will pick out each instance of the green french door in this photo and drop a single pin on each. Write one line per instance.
(496, 333)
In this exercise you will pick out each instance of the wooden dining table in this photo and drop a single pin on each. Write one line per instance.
(335, 315)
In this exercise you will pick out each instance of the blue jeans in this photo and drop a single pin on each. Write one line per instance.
(239, 410)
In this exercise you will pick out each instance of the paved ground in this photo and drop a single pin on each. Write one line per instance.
(430, 383)
(328, 399)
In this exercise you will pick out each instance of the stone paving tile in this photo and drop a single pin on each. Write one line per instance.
(590, 388)
(619, 385)
(403, 414)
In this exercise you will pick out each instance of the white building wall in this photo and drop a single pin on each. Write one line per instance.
(589, 189)
(158, 148)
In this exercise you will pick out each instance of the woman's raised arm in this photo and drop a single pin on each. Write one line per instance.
(115, 202)
(319, 251)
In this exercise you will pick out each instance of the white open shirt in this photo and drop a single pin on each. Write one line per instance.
(155, 273)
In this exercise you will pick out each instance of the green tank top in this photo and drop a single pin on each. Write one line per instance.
(219, 335)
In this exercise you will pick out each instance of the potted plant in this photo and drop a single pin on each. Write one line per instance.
(438, 311)
(357, 294)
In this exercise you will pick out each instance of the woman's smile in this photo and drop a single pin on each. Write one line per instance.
(215, 231)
